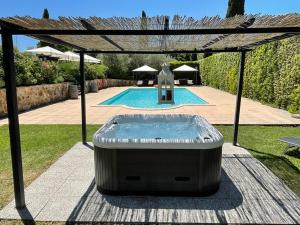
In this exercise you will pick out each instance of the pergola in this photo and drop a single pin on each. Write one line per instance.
(155, 35)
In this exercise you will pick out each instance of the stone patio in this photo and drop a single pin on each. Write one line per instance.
(249, 194)
(220, 110)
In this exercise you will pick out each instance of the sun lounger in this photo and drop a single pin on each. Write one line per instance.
(291, 141)
(190, 82)
(139, 83)
(176, 82)
(150, 82)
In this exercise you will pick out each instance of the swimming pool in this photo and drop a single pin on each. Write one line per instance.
(147, 98)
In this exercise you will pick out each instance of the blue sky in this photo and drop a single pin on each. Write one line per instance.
(132, 8)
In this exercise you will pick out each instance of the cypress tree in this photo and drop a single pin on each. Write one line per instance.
(235, 7)
(43, 44)
(45, 14)
(143, 14)
(144, 25)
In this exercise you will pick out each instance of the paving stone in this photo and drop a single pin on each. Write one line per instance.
(220, 110)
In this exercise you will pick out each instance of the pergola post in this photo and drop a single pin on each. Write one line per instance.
(239, 97)
(13, 119)
(82, 90)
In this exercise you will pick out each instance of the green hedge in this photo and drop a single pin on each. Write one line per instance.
(31, 71)
(70, 71)
(272, 73)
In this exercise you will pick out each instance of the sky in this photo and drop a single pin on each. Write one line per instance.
(133, 8)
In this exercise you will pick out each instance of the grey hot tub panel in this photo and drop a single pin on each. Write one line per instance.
(165, 171)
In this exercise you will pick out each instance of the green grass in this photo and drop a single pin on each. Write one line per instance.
(262, 142)
(44, 144)
(41, 146)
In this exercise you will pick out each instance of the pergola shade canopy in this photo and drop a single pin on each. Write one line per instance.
(185, 68)
(152, 33)
(144, 68)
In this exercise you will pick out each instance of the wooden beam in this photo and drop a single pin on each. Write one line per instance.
(46, 38)
(13, 118)
(239, 97)
(82, 90)
(204, 31)
(89, 26)
(167, 51)
(221, 37)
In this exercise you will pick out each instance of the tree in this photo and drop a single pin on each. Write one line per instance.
(143, 39)
(194, 56)
(45, 14)
(143, 14)
(181, 56)
(235, 7)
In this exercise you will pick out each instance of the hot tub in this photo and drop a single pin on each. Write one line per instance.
(158, 154)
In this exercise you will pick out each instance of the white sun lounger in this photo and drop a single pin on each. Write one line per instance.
(139, 83)
(291, 141)
(190, 82)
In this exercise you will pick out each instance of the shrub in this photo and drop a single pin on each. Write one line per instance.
(117, 66)
(121, 66)
(95, 71)
(69, 71)
(28, 70)
(31, 71)
(50, 73)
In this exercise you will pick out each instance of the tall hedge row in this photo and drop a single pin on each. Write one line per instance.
(272, 73)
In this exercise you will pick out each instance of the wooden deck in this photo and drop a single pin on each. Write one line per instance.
(249, 194)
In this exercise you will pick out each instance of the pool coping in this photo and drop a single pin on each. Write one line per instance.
(152, 109)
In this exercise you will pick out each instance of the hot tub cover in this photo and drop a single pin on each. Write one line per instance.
(158, 132)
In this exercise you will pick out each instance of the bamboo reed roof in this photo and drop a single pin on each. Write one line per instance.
(150, 43)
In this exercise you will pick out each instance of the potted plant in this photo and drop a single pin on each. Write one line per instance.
(93, 86)
(73, 91)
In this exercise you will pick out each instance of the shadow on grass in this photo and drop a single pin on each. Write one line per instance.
(295, 152)
(281, 167)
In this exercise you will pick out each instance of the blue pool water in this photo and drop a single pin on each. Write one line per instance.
(147, 98)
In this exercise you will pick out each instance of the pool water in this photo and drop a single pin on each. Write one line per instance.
(169, 128)
(147, 98)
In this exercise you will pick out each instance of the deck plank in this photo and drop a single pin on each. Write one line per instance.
(249, 194)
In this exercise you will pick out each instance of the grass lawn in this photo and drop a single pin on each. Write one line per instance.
(262, 142)
(41, 146)
(44, 144)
